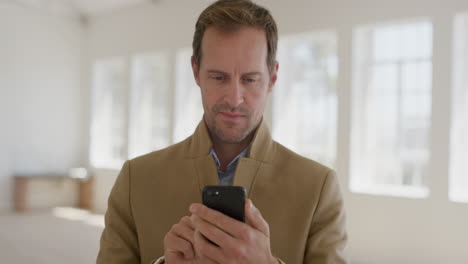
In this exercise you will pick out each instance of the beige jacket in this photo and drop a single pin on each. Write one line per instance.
(299, 198)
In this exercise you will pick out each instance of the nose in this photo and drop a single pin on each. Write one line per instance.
(234, 94)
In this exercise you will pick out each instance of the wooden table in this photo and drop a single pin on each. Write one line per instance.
(21, 183)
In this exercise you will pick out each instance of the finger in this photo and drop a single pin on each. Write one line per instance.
(172, 257)
(183, 231)
(187, 221)
(222, 221)
(213, 233)
(255, 218)
(205, 260)
(206, 251)
(175, 244)
(177, 257)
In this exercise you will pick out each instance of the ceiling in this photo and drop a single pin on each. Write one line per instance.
(92, 7)
(77, 7)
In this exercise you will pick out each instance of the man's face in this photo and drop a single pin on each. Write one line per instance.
(234, 81)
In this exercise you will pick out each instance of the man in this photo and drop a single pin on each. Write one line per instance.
(294, 212)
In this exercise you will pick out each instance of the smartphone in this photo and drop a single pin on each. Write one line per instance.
(229, 200)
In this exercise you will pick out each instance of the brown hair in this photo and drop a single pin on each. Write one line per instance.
(229, 15)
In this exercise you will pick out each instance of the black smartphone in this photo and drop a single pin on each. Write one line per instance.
(229, 200)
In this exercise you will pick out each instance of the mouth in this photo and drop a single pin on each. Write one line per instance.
(231, 116)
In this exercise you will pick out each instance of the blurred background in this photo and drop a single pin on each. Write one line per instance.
(377, 90)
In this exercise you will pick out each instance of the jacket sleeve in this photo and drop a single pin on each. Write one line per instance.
(327, 235)
(119, 242)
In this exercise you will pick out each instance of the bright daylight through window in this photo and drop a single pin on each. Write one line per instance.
(391, 109)
(459, 130)
(108, 146)
(305, 99)
(149, 122)
(188, 110)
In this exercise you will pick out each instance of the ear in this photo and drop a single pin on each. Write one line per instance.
(195, 71)
(274, 77)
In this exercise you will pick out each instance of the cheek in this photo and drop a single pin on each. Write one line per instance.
(212, 98)
(209, 99)
(256, 102)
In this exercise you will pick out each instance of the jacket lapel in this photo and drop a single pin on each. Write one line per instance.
(199, 151)
(261, 151)
(206, 171)
(246, 172)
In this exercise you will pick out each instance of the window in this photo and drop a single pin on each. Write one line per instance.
(134, 116)
(391, 109)
(109, 120)
(188, 111)
(459, 130)
(150, 113)
(304, 99)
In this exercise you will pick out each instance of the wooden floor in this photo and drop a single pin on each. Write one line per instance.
(62, 235)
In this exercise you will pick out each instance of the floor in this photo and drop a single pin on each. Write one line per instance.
(61, 235)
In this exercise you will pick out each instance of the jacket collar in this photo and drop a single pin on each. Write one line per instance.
(261, 152)
(200, 142)
(262, 146)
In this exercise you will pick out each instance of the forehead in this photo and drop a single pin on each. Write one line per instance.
(245, 47)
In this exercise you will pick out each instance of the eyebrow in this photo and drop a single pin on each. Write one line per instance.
(247, 73)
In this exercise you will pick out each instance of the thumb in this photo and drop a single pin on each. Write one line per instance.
(255, 218)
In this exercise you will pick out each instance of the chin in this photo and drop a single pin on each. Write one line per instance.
(231, 134)
(230, 137)
(232, 140)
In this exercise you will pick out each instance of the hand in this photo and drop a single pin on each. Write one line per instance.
(236, 242)
(178, 243)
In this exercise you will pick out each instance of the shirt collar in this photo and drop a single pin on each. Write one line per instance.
(233, 162)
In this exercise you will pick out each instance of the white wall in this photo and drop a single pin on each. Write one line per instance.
(43, 102)
(382, 229)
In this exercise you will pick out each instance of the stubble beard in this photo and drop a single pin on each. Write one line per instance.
(230, 138)
(238, 133)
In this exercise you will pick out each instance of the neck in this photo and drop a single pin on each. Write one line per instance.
(226, 152)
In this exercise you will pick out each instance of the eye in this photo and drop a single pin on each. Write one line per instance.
(249, 80)
(217, 77)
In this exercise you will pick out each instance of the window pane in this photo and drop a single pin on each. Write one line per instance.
(459, 130)
(108, 117)
(397, 42)
(188, 106)
(149, 107)
(304, 98)
(392, 109)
